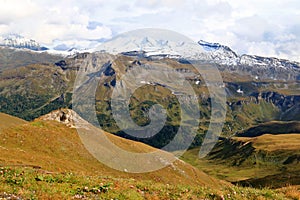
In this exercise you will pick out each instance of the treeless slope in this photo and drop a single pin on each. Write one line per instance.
(55, 147)
(273, 127)
(281, 151)
(269, 160)
(7, 121)
(269, 142)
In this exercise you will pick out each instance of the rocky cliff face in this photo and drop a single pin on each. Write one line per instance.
(249, 90)
(287, 105)
(280, 100)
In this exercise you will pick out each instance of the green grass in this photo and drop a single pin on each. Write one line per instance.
(31, 183)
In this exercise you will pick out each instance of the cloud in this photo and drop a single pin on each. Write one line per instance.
(14, 10)
(252, 28)
(49, 22)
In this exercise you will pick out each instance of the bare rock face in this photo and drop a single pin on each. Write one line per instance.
(67, 117)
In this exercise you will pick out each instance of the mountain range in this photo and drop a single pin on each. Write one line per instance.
(257, 66)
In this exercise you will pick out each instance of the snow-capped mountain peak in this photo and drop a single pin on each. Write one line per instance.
(158, 43)
(209, 46)
(161, 44)
(17, 41)
(219, 53)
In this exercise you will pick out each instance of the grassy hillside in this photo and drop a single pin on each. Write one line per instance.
(29, 183)
(273, 127)
(56, 147)
(7, 121)
(46, 160)
(53, 147)
(280, 150)
(34, 90)
(269, 160)
(270, 142)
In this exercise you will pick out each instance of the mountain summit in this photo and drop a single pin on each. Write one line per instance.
(18, 41)
(161, 44)
(158, 44)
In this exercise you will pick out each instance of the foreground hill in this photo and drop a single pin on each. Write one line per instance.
(45, 159)
(54, 146)
(9, 121)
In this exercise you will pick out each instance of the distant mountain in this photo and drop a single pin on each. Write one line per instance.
(181, 48)
(257, 66)
(224, 55)
(156, 46)
(219, 53)
(12, 57)
(18, 41)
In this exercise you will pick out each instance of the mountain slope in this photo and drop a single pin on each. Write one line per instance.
(271, 161)
(33, 90)
(54, 146)
(12, 58)
(45, 159)
(49, 87)
(253, 161)
(273, 127)
(8, 121)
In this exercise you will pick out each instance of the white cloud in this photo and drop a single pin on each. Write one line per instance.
(268, 28)
(14, 10)
(48, 22)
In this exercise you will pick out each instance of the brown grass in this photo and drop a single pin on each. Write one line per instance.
(270, 142)
(7, 121)
(58, 148)
(292, 192)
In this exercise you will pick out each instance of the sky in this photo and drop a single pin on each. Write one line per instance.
(259, 27)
